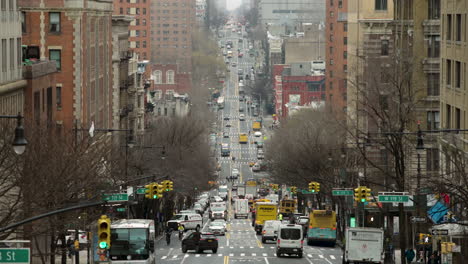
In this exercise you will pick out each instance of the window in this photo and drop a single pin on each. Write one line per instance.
(331, 26)
(121, 11)
(345, 68)
(432, 159)
(54, 22)
(433, 46)
(449, 27)
(137, 33)
(144, 43)
(157, 76)
(384, 47)
(12, 53)
(331, 38)
(331, 61)
(434, 9)
(345, 27)
(12, 7)
(345, 40)
(23, 22)
(448, 72)
(458, 27)
(58, 96)
(457, 74)
(331, 85)
(345, 55)
(332, 14)
(384, 76)
(137, 11)
(144, 11)
(381, 5)
(457, 118)
(144, 33)
(448, 116)
(128, 11)
(340, 3)
(19, 52)
(331, 74)
(170, 76)
(56, 56)
(383, 102)
(137, 22)
(331, 2)
(433, 120)
(3, 5)
(331, 50)
(137, 44)
(433, 84)
(143, 21)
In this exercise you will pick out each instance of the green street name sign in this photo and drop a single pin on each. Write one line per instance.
(308, 192)
(141, 190)
(14, 255)
(115, 197)
(393, 198)
(121, 209)
(342, 192)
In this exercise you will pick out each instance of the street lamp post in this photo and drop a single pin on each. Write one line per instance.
(419, 151)
(19, 142)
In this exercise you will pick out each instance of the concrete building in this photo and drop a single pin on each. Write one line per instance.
(11, 79)
(284, 12)
(200, 12)
(128, 82)
(454, 81)
(61, 31)
(295, 86)
(140, 27)
(336, 56)
(171, 105)
(275, 49)
(417, 37)
(306, 45)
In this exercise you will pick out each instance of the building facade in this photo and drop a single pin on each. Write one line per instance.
(61, 31)
(336, 56)
(140, 27)
(11, 79)
(291, 12)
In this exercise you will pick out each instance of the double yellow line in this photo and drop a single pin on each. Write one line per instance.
(226, 259)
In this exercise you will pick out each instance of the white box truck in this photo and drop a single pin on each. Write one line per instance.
(364, 245)
(241, 208)
(241, 191)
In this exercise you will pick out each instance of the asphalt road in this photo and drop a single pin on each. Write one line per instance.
(240, 244)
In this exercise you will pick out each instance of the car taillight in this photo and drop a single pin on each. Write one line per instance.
(216, 239)
(302, 243)
(202, 239)
(310, 227)
(264, 232)
(279, 240)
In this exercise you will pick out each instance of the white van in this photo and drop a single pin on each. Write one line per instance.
(290, 240)
(270, 230)
(188, 221)
(241, 208)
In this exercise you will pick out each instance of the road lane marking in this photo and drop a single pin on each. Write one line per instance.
(226, 260)
(197, 255)
(309, 255)
(208, 255)
(175, 256)
(164, 257)
(251, 247)
(265, 254)
(310, 261)
(242, 254)
(266, 261)
(241, 247)
(231, 255)
(254, 254)
(321, 256)
(332, 257)
(220, 255)
(260, 245)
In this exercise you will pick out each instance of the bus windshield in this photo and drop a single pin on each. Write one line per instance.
(131, 242)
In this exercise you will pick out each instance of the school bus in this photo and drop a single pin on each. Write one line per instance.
(243, 138)
(287, 206)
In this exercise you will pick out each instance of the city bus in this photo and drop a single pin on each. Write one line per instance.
(132, 241)
(322, 227)
(221, 102)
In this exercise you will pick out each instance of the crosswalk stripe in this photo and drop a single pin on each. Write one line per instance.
(254, 254)
(186, 256)
(321, 256)
(242, 254)
(220, 255)
(265, 254)
(309, 255)
(197, 255)
(208, 255)
(332, 257)
(175, 256)
(164, 257)
(274, 254)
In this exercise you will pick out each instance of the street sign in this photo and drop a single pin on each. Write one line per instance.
(418, 219)
(121, 209)
(308, 192)
(440, 232)
(141, 191)
(115, 197)
(14, 255)
(393, 197)
(342, 192)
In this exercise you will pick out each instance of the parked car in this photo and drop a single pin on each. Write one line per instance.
(199, 242)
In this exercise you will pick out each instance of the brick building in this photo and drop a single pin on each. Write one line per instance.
(336, 54)
(62, 31)
(295, 86)
(172, 23)
(140, 27)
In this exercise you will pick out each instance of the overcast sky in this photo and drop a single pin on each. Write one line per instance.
(233, 4)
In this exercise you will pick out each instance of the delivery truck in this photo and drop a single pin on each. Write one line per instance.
(241, 208)
(264, 211)
(241, 191)
(243, 138)
(364, 245)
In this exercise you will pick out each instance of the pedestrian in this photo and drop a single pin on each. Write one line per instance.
(71, 247)
(409, 254)
(280, 217)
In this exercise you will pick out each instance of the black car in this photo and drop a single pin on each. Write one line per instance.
(199, 242)
(226, 118)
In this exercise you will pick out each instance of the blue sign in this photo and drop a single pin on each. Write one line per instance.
(437, 212)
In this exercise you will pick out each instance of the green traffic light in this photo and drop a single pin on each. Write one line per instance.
(313, 191)
(155, 197)
(363, 200)
(103, 244)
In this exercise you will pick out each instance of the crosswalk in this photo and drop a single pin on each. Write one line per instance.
(214, 255)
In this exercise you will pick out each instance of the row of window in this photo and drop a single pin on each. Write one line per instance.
(54, 22)
(453, 117)
(343, 82)
(157, 77)
(175, 18)
(174, 25)
(9, 54)
(165, 32)
(136, 1)
(453, 73)
(137, 22)
(168, 4)
(11, 5)
(455, 24)
(137, 11)
(340, 3)
(171, 46)
(345, 27)
(137, 33)
(143, 44)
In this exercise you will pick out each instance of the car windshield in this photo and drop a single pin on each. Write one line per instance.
(222, 189)
(217, 209)
(197, 206)
(178, 217)
(129, 242)
(216, 224)
(291, 233)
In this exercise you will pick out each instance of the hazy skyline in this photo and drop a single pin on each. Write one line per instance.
(233, 4)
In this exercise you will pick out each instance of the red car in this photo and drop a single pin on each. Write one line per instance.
(240, 55)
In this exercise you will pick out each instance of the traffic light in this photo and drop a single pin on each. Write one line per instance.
(364, 194)
(311, 186)
(154, 191)
(160, 190)
(275, 187)
(357, 194)
(104, 232)
(367, 194)
(317, 187)
(170, 185)
(148, 189)
(293, 189)
(165, 185)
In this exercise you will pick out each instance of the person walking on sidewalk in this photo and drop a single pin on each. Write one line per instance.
(409, 255)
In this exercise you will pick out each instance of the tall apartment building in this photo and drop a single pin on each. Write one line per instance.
(417, 37)
(11, 80)
(336, 54)
(454, 73)
(173, 23)
(140, 27)
(77, 36)
(291, 11)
